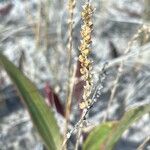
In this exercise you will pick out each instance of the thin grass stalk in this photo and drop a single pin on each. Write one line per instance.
(143, 144)
(68, 107)
(71, 77)
(71, 7)
(120, 70)
(29, 17)
(47, 22)
(78, 139)
(38, 25)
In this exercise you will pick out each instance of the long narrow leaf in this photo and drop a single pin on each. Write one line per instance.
(128, 119)
(42, 116)
(104, 137)
(98, 135)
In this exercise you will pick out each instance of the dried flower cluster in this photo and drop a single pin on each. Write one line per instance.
(84, 48)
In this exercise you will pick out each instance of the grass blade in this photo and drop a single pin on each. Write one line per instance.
(105, 136)
(42, 116)
(98, 136)
(128, 119)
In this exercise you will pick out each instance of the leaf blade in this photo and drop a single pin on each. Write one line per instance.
(100, 132)
(41, 115)
(107, 140)
(130, 117)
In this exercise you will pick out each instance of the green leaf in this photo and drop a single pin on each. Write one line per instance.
(42, 116)
(128, 119)
(104, 137)
(98, 135)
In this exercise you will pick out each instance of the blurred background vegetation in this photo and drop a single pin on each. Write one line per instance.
(34, 36)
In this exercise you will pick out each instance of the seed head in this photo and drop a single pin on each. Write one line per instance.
(86, 64)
